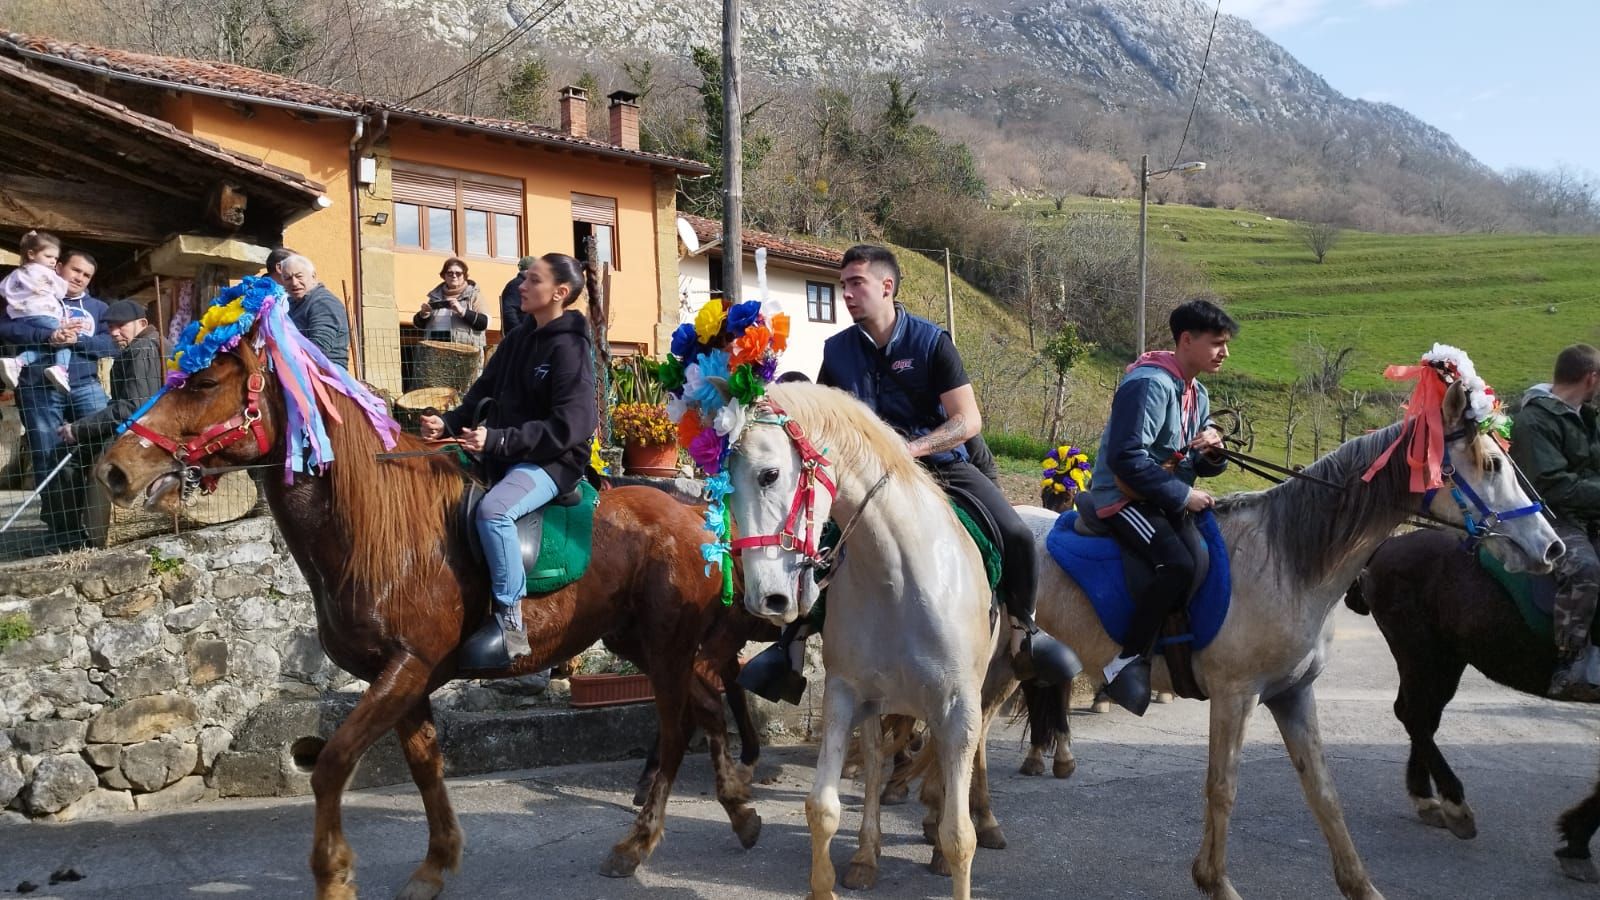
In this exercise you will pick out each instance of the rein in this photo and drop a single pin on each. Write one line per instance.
(213, 440)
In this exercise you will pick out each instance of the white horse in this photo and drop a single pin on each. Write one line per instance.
(907, 628)
(1294, 549)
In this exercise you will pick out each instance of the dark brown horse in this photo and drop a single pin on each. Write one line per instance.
(397, 588)
(1441, 612)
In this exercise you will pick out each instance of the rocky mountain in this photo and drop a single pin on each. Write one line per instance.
(1028, 54)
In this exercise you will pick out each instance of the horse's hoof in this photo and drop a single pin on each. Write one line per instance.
(939, 865)
(1032, 765)
(930, 833)
(748, 828)
(1063, 768)
(618, 865)
(1428, 811)
(1101, 706)
(420, 889)
(894, 795)
(861, 876)
(850, 772)
(341, 891)
(1165, 697)
(813, 895)
(1459, 819)
(1579, 869)
(992, 838)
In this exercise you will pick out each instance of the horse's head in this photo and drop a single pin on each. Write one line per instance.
(219, 417)
(1483, 493)
(780, 500)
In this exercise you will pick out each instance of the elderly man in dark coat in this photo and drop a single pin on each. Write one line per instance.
(135, 376)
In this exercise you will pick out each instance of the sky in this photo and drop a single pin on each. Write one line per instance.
(1516, 84)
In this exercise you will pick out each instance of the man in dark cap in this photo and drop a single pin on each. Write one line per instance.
(135, 376)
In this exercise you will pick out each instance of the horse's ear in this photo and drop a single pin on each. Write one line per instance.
(1455, 404)
(721, 384)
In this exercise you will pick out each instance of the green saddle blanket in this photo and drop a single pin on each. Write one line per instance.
(566, 542)
(1533, 594)
(986, 549)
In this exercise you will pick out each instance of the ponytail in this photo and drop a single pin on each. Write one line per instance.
(34, 241)
(580, 278)
(591, 280)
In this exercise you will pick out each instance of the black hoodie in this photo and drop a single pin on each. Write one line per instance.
(544, 412)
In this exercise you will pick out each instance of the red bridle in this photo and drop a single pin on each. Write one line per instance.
(812, 466)
(213, 440)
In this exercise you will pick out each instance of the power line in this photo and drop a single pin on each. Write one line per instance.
(503, 43)
(1198, 85)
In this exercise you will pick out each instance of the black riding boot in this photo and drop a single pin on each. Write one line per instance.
(497, 643)
(1042, 657)
(771, 674)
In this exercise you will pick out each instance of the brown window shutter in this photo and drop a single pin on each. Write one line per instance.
(594, 210)
(424, 189)
(491, 198)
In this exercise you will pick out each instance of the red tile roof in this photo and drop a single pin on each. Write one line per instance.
(206, 76)
(708, 230)
(292, 187)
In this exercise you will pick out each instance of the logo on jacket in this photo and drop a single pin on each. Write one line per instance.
(901, 365)
(541, 370)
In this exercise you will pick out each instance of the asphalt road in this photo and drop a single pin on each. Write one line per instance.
(1126, 825)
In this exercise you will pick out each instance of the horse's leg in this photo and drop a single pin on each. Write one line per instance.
(1065, 763)
(396, 692)
(822, 805)
(1577, 827)
(863, 871)
(1296, 713)
(641, 841)
(898, 788)
(1426, 687)
(932, 794)
(749, 738)
(990, 835)
(652, 765)
(1229, 715)
(419, 740)
(733, 790)
(960, 732)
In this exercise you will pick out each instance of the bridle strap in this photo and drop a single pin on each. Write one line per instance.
(216, 438)
(813, 471)
(1469, 502)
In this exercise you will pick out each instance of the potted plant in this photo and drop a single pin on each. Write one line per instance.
(649, 440)
(605, 679)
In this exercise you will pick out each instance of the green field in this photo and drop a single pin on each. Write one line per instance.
(1511, 301)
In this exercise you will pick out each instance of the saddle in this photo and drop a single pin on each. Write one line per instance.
(1086, 551)
(556, 539)
(1534, 595)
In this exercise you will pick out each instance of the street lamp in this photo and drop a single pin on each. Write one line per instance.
(1144, 224)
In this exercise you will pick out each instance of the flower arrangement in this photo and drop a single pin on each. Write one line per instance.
(642, 423)
(1065, 469)
(1438, 369)
(720, 364)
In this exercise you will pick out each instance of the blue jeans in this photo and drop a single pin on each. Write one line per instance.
(524, 489)
(44, 409)
(61, 356)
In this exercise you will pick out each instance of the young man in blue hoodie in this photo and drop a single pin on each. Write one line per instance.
(1158, 440)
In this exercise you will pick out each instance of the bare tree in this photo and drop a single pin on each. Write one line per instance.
(1319, 237)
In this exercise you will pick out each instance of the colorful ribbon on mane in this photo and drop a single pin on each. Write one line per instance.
(1422, 428)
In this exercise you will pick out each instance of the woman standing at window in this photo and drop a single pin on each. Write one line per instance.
(451, 311)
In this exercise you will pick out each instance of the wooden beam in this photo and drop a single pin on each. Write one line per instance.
(90, 211)
(117, 173)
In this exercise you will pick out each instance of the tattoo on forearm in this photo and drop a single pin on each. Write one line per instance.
(950, 435)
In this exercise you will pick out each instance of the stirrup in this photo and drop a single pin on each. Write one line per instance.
(485, 650)
(1046, 660)
(769, 675)
(1131, 688)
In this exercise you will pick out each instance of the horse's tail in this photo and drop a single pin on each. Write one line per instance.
(1046, 708)
(1355, 596)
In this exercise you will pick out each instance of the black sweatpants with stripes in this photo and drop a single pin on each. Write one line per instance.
(1145, 529)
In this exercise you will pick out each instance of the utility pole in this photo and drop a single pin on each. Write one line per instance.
(732, 157)
(1144, 223)
(949, 298)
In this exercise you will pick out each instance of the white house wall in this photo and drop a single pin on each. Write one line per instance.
(787, 286)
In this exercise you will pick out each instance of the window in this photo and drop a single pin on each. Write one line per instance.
(819, 301)
(440, 210)
(594, 223)
(714, 269)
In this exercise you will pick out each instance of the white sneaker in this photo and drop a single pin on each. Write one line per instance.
(10, 371)
(57, 375)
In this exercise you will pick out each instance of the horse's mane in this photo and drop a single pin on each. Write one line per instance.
(396, 512)
(861, 440)
(1313, 529)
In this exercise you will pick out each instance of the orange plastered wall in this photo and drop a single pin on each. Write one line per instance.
(318, 150)
(549, 180)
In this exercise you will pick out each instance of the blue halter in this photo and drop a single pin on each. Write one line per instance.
(1481, 525)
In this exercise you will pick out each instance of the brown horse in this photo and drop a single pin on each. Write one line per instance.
(397, 589)
(1441, 612)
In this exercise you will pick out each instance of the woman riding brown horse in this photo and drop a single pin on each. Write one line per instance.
(397, 589)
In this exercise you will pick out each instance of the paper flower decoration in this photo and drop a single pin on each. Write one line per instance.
(1066, 468)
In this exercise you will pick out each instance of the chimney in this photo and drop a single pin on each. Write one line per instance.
(625, 120)
(575, 111)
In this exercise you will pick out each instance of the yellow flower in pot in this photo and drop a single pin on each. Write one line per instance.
(649, 439)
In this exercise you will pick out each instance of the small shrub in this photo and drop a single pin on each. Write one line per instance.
(603, 662)
(14, 627)
(161, 564)
(1017, 446)
(642, 423)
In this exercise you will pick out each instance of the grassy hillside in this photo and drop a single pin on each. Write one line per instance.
(1511, 301)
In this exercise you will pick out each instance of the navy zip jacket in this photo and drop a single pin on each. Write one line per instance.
(544, 412)
(85, 353)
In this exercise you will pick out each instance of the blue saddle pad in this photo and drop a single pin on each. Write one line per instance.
(1095, 563)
